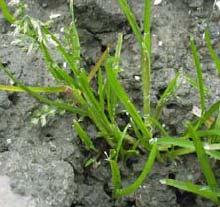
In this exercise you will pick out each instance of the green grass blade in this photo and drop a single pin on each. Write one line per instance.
(57, 104)
(136, 131)
(101, 89)
(120, 142)
(94, 107)
(208, 133)
(212, 52)
(68, 57)
(118, 52)
(111, 102)
(175, 141)
(186, 146)
(83, 136)
(170, 90)
(214, 154)
(74, 37)
(180, 152)
(203, 191)
(58, 73)
(199, 75)
(6, 13)
(203, 160)
(217, 126)
(98, 65)
(146, 78)
(146, 61)
(214, 108)
(116, 177)
(111, 97)
(147, 24)
(34, 89)
(194, 84)
(158, 125)
(131, 19)
(145, 172)
(125, 100)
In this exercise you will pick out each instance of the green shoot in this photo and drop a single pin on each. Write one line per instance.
(97, 66)
(60, 105)
(214, 108)
(100, 104)
(34, 89)
(203, 191)
(145, 172)
(116, 176)
(6, 13)
(199, 75)
(217, 125)
(83, 136)
(131, 19)
(123, 97)
(146, 76)
(171, 88)
(147, 25)
(212, 52)
(203, 160)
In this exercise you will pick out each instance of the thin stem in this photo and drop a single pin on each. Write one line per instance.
(146, 60)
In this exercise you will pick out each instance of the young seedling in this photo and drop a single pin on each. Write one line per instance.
(101, 105)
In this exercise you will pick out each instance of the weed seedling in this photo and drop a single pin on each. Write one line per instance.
(101, 104)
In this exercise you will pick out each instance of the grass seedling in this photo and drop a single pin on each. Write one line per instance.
(102, 104)
(212, 52)
(203, 191)
(6, 13)
(211, 191)
(145, 48)
(199, 75)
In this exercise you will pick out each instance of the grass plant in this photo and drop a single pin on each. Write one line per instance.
(101, 105)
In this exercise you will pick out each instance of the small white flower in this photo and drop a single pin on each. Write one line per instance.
(207, 146)
(8, 141)
(160, 43)
(34, 121)
(65, 65)
(14, 2)
(52, 42)
(54, 16)
(163, 182)
(137, 78)
(11, 82)
(153, 140)
(107, 156)
(157, 2)
(196, 111)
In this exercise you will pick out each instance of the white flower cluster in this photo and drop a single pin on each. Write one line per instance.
(14, 2)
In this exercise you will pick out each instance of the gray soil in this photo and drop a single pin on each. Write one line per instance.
(43, 166)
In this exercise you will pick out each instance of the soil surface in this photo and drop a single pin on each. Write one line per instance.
(44, 166)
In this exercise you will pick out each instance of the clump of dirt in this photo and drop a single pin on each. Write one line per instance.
(47, 164)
